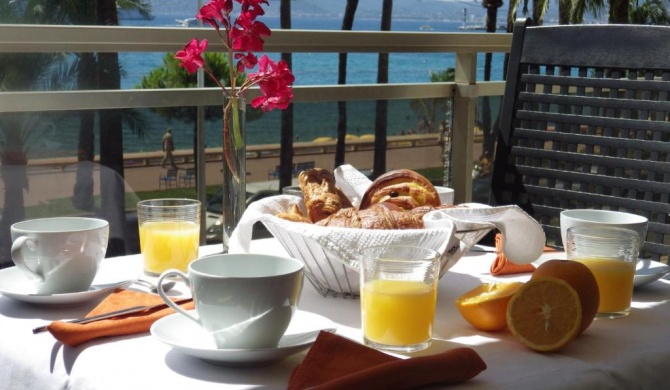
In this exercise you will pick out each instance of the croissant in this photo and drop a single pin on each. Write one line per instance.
(404, 188)
(294, 214)
(376, 217)
(319, 193)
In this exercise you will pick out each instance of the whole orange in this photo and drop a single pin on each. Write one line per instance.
(485, 306)
(580, 278)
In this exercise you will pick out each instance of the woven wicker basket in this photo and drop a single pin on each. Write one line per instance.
(333, 275)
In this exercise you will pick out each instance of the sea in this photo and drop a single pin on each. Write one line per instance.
(312, 120)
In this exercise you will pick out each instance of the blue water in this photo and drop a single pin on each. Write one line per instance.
(312, 120)
(321, 68)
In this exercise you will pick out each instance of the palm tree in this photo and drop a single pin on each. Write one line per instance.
(347, 24)
(19, 131)
(487, 126)
(579, 7)
(649, 12)
(83, 13)
(379, 163)
(286, 136)
(539, 10)
(112, 185)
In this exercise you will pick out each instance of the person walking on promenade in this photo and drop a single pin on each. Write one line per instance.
(168, 147)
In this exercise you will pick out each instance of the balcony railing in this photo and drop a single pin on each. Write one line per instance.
(464, 91)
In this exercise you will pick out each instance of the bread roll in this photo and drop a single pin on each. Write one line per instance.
(404, 188)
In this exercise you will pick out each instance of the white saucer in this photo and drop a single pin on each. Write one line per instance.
(647, 271)
(113, 274)
(188, 338)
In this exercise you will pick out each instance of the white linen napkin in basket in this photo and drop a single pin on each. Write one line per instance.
(524, 238)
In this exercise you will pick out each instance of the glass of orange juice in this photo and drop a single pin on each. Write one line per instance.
(169, 233)
(398, 296)
(611, 254)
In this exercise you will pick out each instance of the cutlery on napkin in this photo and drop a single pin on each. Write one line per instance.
(73, 334)
(503, 265)
(335, 362)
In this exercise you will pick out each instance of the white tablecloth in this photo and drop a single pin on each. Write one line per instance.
(628, 353)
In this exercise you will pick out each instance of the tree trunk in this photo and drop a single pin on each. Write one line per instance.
(487, 125)
(112, 184)
(347, 24)
(619, 12)
(564, 11)
(82, 197)
(379, 163)
(286, 140)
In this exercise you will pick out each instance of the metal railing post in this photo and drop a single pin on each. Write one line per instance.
(463, 125)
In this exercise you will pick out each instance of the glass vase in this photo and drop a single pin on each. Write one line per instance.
(234, 166)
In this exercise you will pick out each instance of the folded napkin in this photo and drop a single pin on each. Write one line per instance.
(502, 265)
(75, 334)
(335, 362)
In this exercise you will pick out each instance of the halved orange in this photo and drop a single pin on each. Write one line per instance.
(485, 306)
(545, 314)
(581, 279)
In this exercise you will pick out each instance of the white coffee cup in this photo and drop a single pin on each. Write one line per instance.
(61, 254)
(589, 217)
(446, 194)
(245, 301)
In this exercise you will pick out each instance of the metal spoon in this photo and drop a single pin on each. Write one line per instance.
(153, 288)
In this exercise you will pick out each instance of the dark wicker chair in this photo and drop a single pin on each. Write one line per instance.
(585, 124)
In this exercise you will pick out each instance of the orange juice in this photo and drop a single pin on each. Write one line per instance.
(169, 244)
(398, 312)
(615, 282)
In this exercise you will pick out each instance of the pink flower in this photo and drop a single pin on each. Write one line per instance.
(190, 58)
(241, 39)
(216, 11)
(274, 80)
(253, 6)
(247, 61)
(247, 32)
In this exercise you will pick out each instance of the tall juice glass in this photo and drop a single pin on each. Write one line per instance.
(398, 297)
(610, 253)
(169, 233)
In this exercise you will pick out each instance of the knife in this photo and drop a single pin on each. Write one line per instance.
(112, 314)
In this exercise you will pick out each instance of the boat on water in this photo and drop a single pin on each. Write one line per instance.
(188, 22)
(479, 27)
(426, 27)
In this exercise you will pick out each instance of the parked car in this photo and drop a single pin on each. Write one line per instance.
(214, 211)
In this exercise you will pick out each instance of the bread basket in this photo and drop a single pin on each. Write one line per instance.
(331, 255)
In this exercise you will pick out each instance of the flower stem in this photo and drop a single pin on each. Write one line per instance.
(237, 136)
(227, 152)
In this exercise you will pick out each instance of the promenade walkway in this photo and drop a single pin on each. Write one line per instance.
(56, 179)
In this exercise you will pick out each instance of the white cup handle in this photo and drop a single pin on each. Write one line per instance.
(167, 300)
(30, 244)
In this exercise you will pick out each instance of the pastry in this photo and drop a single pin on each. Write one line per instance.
(319, 193)
(294, 214)
(404, 188)
(376, 217)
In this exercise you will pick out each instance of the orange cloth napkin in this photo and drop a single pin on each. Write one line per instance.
(335, 362)
(75, 334)
(504, 266)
